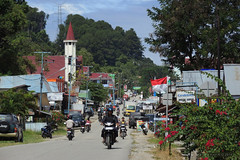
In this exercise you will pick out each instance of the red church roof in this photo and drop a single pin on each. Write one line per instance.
(70, 35)
(53, 69)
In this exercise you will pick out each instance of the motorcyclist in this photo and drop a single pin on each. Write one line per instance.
(70, 123)
(88, 121)
(123, 122)
(113, 119)
(118, 111)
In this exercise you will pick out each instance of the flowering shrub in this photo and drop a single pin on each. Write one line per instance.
(214, 129)
(58, 117)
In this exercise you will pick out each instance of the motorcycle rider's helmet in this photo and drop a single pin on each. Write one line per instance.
(110, 109)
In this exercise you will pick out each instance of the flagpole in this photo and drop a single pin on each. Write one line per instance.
(167, 108)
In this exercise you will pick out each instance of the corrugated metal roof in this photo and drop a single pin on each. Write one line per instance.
(232, 78)
(33, 80)
(53, 86)
(196, 76)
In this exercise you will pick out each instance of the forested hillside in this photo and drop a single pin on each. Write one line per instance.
(106, 44)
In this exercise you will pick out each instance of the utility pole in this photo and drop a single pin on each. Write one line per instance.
(41, 79)
(87, 85)
(113, 79)
(218, 47)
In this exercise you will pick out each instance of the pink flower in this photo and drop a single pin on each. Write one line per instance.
(167, 129)
(160, 142)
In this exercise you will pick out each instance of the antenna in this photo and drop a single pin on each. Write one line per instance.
(59, 15)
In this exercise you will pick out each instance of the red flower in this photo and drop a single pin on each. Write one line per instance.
(182, 127)
(167, 129)
(174, 132)
(225, 112)
(186, 120)
(160, 142)
(239, 143)
(217, 111)
(168, 136)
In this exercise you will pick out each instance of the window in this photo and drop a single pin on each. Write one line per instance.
(69, 60)
(69, 43)
(69, 77)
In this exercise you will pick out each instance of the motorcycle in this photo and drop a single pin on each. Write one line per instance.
(47, 131)
(118, 112)
(100, 117)
(88, 126)
(70, 134)
(144, 129)
(123, 131)
(109, 134)
(82, 125)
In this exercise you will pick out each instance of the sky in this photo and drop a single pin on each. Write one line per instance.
(124, 13)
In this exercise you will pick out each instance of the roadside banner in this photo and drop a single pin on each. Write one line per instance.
(140, 122)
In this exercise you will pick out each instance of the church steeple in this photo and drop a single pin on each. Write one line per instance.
(70, 54)
(70, 35)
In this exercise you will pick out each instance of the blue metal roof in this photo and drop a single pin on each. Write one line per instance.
(33, 80)
(53, 86)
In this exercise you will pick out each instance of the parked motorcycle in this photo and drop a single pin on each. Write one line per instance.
(47, 131)
(88, 126)
(123, 131)
(109, 134)
(144, 129)
(70, 134)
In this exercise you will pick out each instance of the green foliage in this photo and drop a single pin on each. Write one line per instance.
(101, 40)
(17, 102)
(21, 33)
(98, 92)
(190, 29)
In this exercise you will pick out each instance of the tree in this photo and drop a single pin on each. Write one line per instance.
(101, 40)
(184, 29)
(17, 102)
(98, 92)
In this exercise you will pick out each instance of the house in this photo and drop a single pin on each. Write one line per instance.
(33, 83)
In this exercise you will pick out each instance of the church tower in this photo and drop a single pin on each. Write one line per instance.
(70, 54)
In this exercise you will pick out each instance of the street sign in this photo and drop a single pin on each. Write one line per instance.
(167, 99)
(112, 75)
(136, 88)
(160, 119)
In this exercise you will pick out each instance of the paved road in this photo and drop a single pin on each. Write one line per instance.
(83, 146)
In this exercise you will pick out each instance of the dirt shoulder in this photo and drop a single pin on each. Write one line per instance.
(141, 148)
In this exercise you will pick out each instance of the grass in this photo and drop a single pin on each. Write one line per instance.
(33, 137)
(164, 153)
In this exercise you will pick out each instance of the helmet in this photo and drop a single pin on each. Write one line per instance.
(110, 109)
(70, 117)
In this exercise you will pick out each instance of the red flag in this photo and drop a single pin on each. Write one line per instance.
(159, 85)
